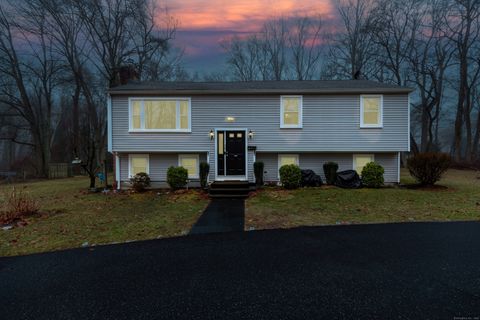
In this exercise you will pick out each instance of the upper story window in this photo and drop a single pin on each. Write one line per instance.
(291, 111)
(160, 114)
(371, 111)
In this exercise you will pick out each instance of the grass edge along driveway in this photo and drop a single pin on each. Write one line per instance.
(277, 208)
(71, 217)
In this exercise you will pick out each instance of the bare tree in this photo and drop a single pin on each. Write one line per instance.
(429, 58)
(464, 31)
(304, 40)
(243, 56)
(30, 80)
(353, 49)
(280, 50)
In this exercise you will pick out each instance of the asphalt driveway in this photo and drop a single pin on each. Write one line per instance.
(396, 271)
(221, 215)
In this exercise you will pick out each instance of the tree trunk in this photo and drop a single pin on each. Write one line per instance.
(92, 181)
(425, 126)
(76, 119)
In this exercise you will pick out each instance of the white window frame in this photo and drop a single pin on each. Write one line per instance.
(142, 113)
(295, 155)
(380, 124)
(300, 114)
(196, 156)
(133, 155)
(364, 155)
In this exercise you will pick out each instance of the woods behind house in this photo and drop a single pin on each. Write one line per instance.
(58, 58)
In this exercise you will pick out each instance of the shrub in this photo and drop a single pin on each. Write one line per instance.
(258, 170)
(204, 170)
(177, 177)
(17, 204)
(428, 167)
(140, 181)
(330, 171)
(290, 176)
(372, 175)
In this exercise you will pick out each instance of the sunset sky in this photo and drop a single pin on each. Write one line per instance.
(205, 23)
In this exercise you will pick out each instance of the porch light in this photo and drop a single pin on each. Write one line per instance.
(211, 134)
(250, 134)
(230, 119)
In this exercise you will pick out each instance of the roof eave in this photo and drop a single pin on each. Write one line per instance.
(259, 91)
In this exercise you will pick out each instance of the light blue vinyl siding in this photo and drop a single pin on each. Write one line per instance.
(331, 123)
(160, 162)
(315, 161)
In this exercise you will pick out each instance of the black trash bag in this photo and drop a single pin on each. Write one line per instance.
(348, 179)
(310, 179)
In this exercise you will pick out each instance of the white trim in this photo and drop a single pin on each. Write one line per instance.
(208, 161)
(300, 113)
(109, 123)
(295, 155)
(226, 177)
(361, 154)
(117, 170)
(133, 155)
(408, 108)
(190, 156)
(380, 124)
(142, 114)
(398, 172)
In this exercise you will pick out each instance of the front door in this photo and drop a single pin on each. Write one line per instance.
(231, 153)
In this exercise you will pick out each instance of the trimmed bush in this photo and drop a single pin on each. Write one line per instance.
(258, 170)
(330, 170)
(372, 175)
(290, 176)
(428, 167)
(140, 181)
(177, 177)
(204, 170)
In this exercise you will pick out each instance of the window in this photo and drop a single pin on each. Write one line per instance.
(291, 111)
(284, 159)
(189, 162)
(371, 111)
(159, 114)
(360, 160)
(138, 163)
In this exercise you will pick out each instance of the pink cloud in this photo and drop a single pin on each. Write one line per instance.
(204, 24)
(241, 15)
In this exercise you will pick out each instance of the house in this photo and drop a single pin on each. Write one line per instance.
(230, 125)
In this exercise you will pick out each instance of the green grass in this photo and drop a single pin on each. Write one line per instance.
(70, 216)
(277, 208)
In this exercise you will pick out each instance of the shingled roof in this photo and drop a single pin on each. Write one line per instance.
(259, 87)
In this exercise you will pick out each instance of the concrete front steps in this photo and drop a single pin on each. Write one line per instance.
(230, 189)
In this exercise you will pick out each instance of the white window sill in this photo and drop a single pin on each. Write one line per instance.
(159, 131)
(291, 127)
(371, 127)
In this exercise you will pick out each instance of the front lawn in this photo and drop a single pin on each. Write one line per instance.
(277, 208)
(70, 217)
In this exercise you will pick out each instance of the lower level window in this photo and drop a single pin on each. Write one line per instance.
(360, 160)
(284, 159)
(189, 162)
(138, 163)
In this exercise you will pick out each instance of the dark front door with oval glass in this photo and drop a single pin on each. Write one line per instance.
(231, 153)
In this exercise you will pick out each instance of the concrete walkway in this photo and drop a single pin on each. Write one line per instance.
(221, 215)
